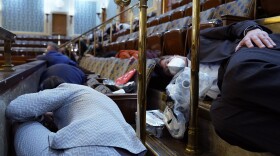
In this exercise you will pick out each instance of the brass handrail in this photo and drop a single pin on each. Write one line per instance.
(192, 146)
(92, 29)
(141, 88)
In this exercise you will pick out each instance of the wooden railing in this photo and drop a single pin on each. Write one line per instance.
(8, 38)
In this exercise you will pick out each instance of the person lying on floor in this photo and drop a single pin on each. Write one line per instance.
(54, 56)
(69, 73)
(246, 113)
(88, 122)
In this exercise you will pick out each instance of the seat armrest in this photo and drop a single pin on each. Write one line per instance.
(127, 103)
(228, 19)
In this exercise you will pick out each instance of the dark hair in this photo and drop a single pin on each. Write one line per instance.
(113, 31)
(51, 82)
(159, 69)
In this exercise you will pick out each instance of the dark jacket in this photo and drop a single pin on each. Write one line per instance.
(68, 73)
(217, 44)
(53, 57)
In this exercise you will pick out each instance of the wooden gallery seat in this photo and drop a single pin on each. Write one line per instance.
(175, 4)
(132, 36)
(133, 42)
(105, 46)
(163, 18)
(120, 33)
(184, 2)
(235, 11)
(114, 46)
(155, 40)
(175, 38)
(180, 11)
(210, 4)
(188, 11)
(153, 21)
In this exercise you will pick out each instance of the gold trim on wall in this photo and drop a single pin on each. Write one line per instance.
(29, 33)
(155, 6)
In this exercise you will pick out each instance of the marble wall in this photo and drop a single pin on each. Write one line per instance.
(30, 16)
(85, 16)
(24, 15)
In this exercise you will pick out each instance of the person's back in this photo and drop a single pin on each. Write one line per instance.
(95, 109)
(248, 70)
(87, 121)
(53, 56)
(68, 73)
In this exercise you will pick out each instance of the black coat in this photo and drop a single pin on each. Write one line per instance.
(217, 44)
(247, 114)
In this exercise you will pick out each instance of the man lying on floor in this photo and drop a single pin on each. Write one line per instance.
(246, 112)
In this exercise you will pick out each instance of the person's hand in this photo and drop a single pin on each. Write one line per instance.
(48, 122)
(258, 37)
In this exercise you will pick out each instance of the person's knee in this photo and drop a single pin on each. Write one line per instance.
(238, 80)
(225, 117)
(216, 113)
(244, 70)
(229, 123)
(223, 125)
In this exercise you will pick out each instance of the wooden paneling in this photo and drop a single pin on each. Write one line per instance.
(59, 24)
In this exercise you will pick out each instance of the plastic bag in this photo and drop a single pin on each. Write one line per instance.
(125, 78)
(177, 116)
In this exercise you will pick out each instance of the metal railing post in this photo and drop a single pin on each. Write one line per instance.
(192, 146)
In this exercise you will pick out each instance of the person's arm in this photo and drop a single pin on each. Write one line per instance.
(218, 43)
(251, 33)
(41, 57)
(31, 106)
(229, 32)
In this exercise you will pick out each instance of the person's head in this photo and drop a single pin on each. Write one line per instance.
(121, 26)
(63, 50)
(114, 29)
(52, 47)
(51, 82)
(165, 62)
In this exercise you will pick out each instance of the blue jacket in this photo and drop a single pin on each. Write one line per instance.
(54, 57)
(68, 73)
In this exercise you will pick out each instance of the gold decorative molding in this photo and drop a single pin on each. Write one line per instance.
(155, 6)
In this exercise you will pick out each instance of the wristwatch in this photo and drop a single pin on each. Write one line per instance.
(252, 27)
